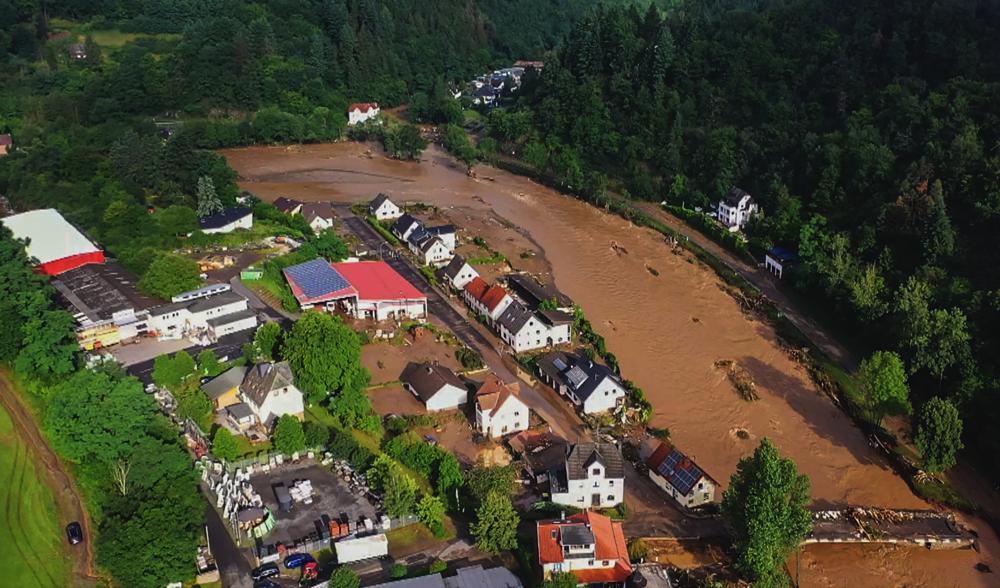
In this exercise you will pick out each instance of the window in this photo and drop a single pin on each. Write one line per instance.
(701, 485)
(590, 562)
(605, 563)
(580, 499)
(611, 482)
(611, 497)
(595, 472)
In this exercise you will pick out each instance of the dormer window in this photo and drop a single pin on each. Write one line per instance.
(595, 472)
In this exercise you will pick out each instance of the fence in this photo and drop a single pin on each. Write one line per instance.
(312, 543)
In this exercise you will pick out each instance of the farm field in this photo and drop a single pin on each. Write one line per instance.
(34, 551)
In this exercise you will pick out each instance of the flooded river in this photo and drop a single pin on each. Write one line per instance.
(667, 320)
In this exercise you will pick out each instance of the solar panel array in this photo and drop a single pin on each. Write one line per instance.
(559, 363)
(317, 278)
(576, 376)
(682, 473)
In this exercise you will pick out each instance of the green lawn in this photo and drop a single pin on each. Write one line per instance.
(34, 552)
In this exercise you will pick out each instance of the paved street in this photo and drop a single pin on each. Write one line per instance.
(233, 567)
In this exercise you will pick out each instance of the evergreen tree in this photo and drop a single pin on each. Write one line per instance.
(208, 200)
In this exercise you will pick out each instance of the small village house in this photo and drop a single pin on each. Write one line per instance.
(588, 545)
(405, 225)
(319, 215)
(382, 208)
(499, 408)
(593, 388)
(778, 259)
(224, 390)
(458, 273)
(486, 300)
(592, 476)
(429, 249)
(736, 208)
(436, 386)
(287, 205)
(241, 417)
(535, 294)
(6, 144)
(228, 220)
(361, 112)
(269, 390)
(526, 330)
(540, 453)
(680, 477)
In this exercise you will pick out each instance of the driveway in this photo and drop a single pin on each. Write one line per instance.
(233, 567)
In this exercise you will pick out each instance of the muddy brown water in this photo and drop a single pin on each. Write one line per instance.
(667, 327)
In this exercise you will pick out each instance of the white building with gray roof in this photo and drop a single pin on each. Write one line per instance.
(212, 316)
(593, 476)
(591, 387)
(525, 330)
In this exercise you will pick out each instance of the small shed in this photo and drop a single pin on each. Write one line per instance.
(251, 273)
(778, 259)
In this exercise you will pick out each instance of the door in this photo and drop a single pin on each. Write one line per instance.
(595, 500)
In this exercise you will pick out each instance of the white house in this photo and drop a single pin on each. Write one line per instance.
(680, 477)
(588, 545)
(593, 477)
(458, 273)
(228, 220)
(499, 408)
(435, 385)
(382, 208)
(736, 209)
(590, 386)
(360, 112)
(446, 233)
(429, 249)
(486, 300)
(269, 390)
(778, 259)
(319, 215)
(405, 225)
(525, 330)
(215, 316)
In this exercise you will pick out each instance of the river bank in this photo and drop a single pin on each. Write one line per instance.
(664, 314)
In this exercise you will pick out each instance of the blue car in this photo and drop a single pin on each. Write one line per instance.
(297, 560)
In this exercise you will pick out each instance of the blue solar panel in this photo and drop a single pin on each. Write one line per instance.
(682, 473)
(317, 278)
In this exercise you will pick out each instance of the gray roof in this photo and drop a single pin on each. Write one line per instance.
(262, 378)
(576, 535)
(225, 217)
(286, 204)
(314, 210)
(168, 308)
(556, 317)
(477, 577)
(534, 292)
(403, 223)
(584, 455)
(545, 459)
(379, 201)
(210, 302)
(225, 381)
(227, 319)
(429, 581)
(429, 243)
(515, 316)
(735, 195)
(240, 410)
(576, 371)
(426, 379)
(454, 267)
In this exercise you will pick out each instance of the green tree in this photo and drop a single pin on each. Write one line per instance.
(172, 372)
(11, 335)
(195, 405)
(169, 275)
(288, 435)
(561, 580)
(882, 377)
(267, 341)
(224, 445)
(765, 508)
(948, 342)
(177, 220)
(317, 435)
(208, 199)
(330, 246)
(449, 474)
(496, 523)
(484, 480)
(344, 577)
(398, 488)
(50, 349)
(325, 356)
(431, 512)
(939, 434)
(209, 364)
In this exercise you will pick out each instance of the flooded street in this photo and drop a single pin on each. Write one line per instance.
(667, 320)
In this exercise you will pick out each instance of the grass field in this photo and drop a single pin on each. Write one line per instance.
(34, 547)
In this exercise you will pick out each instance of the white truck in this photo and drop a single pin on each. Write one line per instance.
(361, 548)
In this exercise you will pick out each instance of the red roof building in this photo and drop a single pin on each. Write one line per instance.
(588, 545)
(364, 289)
(486, 300)
(360, 112)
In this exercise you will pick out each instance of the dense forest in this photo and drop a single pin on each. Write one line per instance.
(868, 132)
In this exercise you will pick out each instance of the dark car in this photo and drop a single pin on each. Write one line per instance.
(297, 560)
(74, 532)
(268, 570)
(265, 583)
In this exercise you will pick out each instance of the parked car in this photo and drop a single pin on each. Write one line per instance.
(297, 560)
(265, 583)
(74, 532)
(268, 570)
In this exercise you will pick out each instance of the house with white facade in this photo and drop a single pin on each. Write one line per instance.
(736, 208)
(405, 225)
(525, 330)
(499, 408)
(486, 300)
(268, 389)
(287, 205)
(211, 316)
(364, 289)
(778, 259)
(457, 273)
(591, 387)
(588, 545)
(227, 221)
(319, 215)
(680, 477)
(361, 112)
(436, 386)
(593, 476)
(428, 248)
(382, 208)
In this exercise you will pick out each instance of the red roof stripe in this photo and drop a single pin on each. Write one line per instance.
(363, 106)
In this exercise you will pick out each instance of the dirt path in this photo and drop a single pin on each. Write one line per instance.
(63, 485)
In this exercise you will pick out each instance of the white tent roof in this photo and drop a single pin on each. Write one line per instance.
(51, 236)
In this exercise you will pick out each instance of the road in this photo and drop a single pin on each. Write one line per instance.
(277, 314)
(63, 486)
(544, 401)
(233, 567)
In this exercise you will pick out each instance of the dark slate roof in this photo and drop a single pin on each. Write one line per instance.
(515, 316)
(231, 318)
(313, 210)
(225, 217)
(240, 410)
(378, 201)
(286, 204)
(454, 267)
(576, 535)
(426, 379)
(534, 293)
(545, 459)
(584, 455)
(576, 371)
(485, 91)
(262, 378)
(441, 230)
(429, 242)
(225, 382)
(215, 301)
(735, 195)
(783, 255)
(555, 317)
(403, 223)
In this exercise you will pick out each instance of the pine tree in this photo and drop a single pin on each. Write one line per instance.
(208, 200)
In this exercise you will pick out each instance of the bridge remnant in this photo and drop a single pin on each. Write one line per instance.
(930, 529)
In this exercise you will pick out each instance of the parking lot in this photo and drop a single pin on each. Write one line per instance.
(331, 496)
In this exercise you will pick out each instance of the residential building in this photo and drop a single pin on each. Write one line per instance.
(592, 387)
(214, 316)
(535, 294)
(53, 244)
(778, 259)
(499, 408)
(241, 417)
(588, 545)
(6, 144)
(736, 208)
(680, 477)
(319, 215)
(361, 112)
(468, 577)
(430, 250)
(540, 452)
(486, 300)
(526, 330)
(536, 65)
(382, 208)
(457, 273)
(436, 386)
(227, 221)
(362, 289)
(224, 390)
(269, 390)
(593, 476)
(287, 205)
(405, 225)
(446, 233)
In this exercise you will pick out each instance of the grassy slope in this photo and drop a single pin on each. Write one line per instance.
(34, 543)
